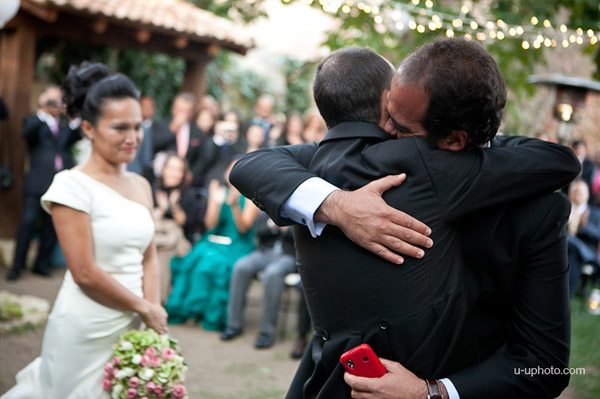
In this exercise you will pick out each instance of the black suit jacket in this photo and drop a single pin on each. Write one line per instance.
(43, 148)
(200, 153)
(517, 274)
(431, 334)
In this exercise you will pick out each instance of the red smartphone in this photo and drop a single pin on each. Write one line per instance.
(363, 362)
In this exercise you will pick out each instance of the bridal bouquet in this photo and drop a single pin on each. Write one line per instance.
(145, 365)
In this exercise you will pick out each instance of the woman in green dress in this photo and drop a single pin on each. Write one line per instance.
(201, 278)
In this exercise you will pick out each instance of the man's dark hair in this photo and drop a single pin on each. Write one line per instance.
(349, 85)
(466, 90)
(577, 143)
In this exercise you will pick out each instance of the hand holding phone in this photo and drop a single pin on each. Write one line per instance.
(363, 362)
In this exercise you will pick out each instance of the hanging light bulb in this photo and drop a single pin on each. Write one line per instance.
(525, 44)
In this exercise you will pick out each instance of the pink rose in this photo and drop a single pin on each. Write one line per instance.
(134, 382)
(108, 367)
(145, 361)
(116, 361)
(131, 393)
(168, 353)
(158, 390)
(155, 361)
(106, 384)
(150, 352)
(178, 391)
(150, 386)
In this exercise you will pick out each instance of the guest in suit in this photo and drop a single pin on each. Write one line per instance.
(263, 114)
(181, 135)
(142, 163)
(584, 233)
(588, 168)
(49, 140)
(409, 119)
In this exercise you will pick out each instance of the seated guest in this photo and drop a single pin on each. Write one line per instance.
(292, 131)
(206, 122)
(200, 280)
(255, 138)
(314, 128)
(178, 215)
(272, 261)
(584, 233)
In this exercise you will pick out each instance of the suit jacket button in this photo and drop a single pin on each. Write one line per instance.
(384, 324)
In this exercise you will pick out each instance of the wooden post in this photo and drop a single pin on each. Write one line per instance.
(17, 63)
(194, 79)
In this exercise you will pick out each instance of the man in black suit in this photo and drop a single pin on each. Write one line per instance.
(49, 140)
(181, 135)
(464, 188)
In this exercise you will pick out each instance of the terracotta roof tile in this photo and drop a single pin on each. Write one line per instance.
(176, 15)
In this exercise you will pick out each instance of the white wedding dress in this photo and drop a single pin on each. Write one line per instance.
(81, 332)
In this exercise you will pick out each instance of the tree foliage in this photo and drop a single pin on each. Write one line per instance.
(359, 29)
(237, 10)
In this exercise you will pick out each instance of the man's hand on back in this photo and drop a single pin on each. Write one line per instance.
(368, 221)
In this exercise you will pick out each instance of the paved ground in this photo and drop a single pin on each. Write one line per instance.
(217, 370)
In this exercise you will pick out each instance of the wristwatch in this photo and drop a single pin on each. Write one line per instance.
(433, 389)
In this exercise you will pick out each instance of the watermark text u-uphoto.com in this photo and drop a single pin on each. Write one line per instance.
(533, 371)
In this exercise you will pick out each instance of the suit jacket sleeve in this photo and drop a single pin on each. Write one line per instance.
(484, 178)
(538, 333)
(31, 127)
(269, 176)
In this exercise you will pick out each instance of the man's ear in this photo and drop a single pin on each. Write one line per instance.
(383, 112)
(456, 141)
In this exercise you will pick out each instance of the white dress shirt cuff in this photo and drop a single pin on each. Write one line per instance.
(452, 392)
(304, 202)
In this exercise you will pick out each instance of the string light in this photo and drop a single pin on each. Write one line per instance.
(419, 15)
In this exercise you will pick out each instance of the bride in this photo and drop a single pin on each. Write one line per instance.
(102, 215)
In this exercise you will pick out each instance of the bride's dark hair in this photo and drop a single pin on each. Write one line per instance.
(89, 84)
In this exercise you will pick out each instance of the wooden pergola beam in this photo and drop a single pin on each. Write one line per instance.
(44, 13)
(80, 29)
